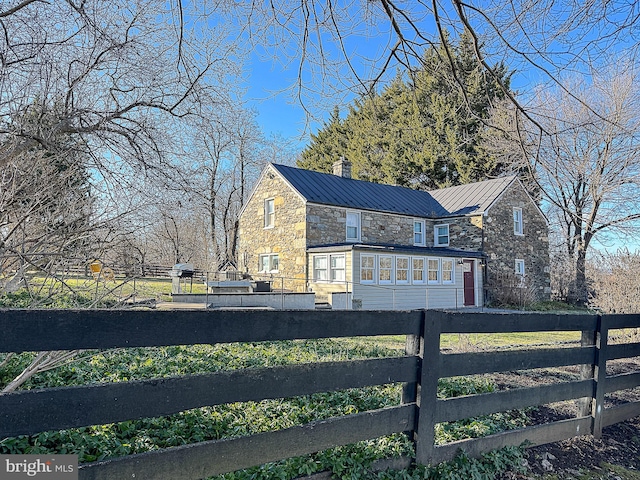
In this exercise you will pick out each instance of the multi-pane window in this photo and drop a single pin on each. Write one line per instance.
(441, 235)
(269, 263)
(517, 221)
(385, 268)
(367, 268)
(329, 267)
(433, 270)
(448, 270)
(353, 226)
(269, 213)
(418, 232)
(320, 268)
(336, 270)
(418, 270)
(402, 269)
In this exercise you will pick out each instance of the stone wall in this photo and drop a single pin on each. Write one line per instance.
(503, 246)
(287, 237)
(327, 225)
(465, 233)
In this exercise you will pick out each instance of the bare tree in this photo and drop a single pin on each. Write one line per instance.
(585, 162)
(118, 72)
(325, 41)
(615, 282)
(94, 97)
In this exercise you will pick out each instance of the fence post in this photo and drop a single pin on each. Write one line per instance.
(412, 347)
(429, 374)
(600, 375)
(588, 339)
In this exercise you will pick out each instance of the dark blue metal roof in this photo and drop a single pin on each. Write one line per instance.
(328, 189)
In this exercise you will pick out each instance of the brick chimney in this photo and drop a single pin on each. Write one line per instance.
(342, 168)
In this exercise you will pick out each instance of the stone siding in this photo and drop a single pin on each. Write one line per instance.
(503, 246)
(287, 237)
(327, 225)
(465, 233)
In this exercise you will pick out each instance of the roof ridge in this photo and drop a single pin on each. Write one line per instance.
(329, 189)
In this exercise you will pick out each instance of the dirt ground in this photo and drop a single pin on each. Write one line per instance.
(614, 456)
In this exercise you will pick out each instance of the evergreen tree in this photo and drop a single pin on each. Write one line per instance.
(424, 130)
(327, 146)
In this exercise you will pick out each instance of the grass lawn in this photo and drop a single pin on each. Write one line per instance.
(108, 292)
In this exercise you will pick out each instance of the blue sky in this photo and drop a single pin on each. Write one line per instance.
(277, 112)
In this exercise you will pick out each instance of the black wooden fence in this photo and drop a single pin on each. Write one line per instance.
(34, 411)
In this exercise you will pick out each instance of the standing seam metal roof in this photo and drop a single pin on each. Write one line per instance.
(328, 189)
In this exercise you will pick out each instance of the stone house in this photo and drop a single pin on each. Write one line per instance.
(372, 246)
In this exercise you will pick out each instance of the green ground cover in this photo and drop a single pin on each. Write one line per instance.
(223, 421)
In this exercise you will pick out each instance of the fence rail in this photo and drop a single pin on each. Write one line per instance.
(424, 364)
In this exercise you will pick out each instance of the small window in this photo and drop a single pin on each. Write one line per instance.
(418, 270)
(269, 263)
(448, 270)
(320, 268)
(434, 270)
(517, 221)
(385, 269)
(441, 235)
(353, 226)
(336, 270)
(418, 232)
(269, 213)
(402, 270)
(367, 268)
(520, 268)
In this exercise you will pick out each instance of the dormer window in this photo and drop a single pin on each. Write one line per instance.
(353, 226)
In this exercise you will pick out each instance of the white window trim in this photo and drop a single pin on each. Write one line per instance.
(453, 271)
(373, 270)
(520, 271)
(343, 269)
(328, 268)
(359, 226)
(520, 223)
(422, 223)
(439, 271)
(424, 271)
(273, 214)
(270, 256)
(435, 235)
(392, 273)
(315, 270)
(408, 269)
